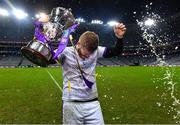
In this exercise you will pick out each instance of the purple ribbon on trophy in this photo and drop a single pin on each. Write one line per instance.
(38, 32)
(64, 40)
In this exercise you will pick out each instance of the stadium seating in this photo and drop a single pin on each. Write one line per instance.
(134, 53)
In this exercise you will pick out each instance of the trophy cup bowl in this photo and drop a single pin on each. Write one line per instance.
(39, 51)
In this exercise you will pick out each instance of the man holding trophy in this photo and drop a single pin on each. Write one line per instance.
(80, 97)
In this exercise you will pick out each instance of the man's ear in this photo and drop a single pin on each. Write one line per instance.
(77, 45)
(79, 42)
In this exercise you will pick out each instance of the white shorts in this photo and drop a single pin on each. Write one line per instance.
(82, 113)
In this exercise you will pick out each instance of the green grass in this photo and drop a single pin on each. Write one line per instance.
(127, 95)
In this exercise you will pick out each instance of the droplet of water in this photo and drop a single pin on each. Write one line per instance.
(158, 103)
(117, 118)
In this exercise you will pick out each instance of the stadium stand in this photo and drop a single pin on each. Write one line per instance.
(134, 53)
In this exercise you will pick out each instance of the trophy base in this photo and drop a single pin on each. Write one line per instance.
(37, 52)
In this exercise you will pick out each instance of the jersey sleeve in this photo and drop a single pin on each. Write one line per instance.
(114, 51)
(100, 51)
(61, 57)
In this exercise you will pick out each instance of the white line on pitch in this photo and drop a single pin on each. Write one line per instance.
(54, 80)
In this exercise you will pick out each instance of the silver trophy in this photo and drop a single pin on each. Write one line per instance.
(40, 50)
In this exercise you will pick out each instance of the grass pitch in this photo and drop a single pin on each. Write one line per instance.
(127, 95)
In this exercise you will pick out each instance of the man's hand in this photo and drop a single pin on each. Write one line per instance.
(120, 30)
(43, 18)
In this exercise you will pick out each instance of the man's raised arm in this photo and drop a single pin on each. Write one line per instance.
(119, 31)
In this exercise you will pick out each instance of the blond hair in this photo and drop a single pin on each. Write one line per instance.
(89, 40)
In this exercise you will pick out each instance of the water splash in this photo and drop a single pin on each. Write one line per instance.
(156, 38)
(170, 89)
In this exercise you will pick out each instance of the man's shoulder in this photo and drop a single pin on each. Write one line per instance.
(68, 52)
(69, 49)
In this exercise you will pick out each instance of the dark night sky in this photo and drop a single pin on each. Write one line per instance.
(100, 9)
